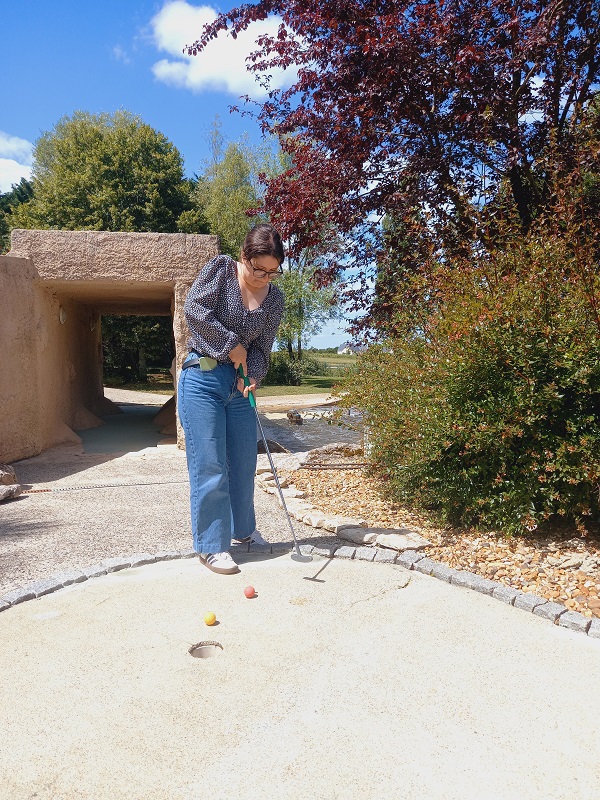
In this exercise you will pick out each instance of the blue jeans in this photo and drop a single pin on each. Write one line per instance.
(220, 443)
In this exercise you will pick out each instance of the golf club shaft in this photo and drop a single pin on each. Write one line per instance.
(270, 457)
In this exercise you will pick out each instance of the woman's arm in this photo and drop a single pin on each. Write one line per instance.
(259, 351)
(208, 335)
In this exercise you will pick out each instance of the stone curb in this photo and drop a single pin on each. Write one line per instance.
(418, 561)
(409, 559)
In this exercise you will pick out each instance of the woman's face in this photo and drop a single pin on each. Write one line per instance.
(258, 271)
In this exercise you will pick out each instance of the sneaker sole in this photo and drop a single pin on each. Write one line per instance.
(219, 570)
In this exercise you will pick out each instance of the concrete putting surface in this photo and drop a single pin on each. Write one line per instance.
(340, 679)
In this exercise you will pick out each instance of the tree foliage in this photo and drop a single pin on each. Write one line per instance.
(19, 193)
(229, 194)
(111, 172)
(442, 106)
(108, 172)
(307, 309)
(132, 344)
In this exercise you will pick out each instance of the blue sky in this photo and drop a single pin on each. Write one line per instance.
(64, 56)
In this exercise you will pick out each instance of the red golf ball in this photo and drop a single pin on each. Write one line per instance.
(249, 591)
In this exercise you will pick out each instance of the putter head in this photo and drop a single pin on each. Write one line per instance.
(300, 558)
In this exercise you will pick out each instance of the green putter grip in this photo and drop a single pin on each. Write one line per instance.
(247, 383)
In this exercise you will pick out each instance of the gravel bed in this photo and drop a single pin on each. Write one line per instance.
(558, 565)
(84, 520)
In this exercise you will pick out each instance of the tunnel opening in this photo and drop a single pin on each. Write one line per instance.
(138, 352)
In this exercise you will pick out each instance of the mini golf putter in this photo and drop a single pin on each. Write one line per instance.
(296, 556)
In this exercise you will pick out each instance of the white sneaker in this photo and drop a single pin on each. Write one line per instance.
(222, 563)
(254, 538)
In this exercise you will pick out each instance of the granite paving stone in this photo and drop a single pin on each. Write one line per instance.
(424, 565)
(527, 602)
(594, 629)
(260, 548)
(385, 556)
(95, 571)
(409, 558)
(324, 550)
(550, 610)
(443, 572)
(345, 551)
(365, 553)
(472, 581)
(167, 555)
(141, 559)
(506, 593)
(18, 596)
(574, 621)
(68, 577)
(46, 586)
(281, 547)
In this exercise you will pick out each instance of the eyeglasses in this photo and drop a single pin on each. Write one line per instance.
(264, 273)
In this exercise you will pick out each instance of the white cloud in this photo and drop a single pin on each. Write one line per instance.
(16, 157)
(12, 147)
(11, 172)
(119, 54)
(221, 66)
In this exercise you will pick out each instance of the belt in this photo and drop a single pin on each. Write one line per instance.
(206, 363)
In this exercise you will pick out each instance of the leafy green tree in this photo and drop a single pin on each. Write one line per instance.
(112, 172)
(228, 193)
(108, 172)
(132, 344)
(19, 193)
(306, 307)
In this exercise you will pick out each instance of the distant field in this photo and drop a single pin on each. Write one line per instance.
(313, 385)
(335, 362)
(162, 383)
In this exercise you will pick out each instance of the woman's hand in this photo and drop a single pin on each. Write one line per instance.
(238, 356)
(246, 389)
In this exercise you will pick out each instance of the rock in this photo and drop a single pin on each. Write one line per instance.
(572, 562)
(7, 475)
(291, 491)
(293, 416)
(274, 447)
(589, 564)
(400, 539)
(337, 524)
(8, 492)
(357, 535)
(315, 519)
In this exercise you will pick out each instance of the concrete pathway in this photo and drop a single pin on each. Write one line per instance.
(340, 679)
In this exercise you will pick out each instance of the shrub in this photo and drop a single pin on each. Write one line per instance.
(283, 371)
(492, 413)
(286, 371)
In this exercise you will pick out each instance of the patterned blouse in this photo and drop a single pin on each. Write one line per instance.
(218, 320)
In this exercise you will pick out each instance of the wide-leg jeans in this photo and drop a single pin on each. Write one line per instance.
(220, 441)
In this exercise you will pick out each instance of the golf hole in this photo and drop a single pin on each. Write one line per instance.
(206, 649)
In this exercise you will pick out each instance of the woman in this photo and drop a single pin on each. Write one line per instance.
(233, 312)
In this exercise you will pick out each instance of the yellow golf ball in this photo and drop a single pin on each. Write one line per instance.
(210, 618)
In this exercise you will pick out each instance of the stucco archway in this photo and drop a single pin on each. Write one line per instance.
(54, 287)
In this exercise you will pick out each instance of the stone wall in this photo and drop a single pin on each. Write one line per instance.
(18, 361)
(55, 285)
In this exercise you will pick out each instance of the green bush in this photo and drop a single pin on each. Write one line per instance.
(286, 371)
(492, 413)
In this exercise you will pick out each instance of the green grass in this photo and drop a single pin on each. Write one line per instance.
(314, 385)
(158, 383)
(161, 383)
